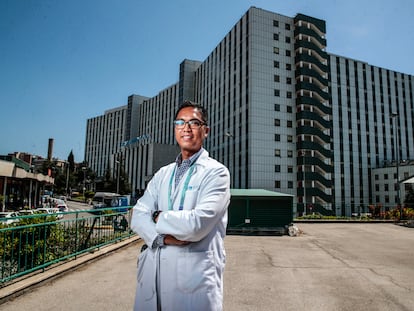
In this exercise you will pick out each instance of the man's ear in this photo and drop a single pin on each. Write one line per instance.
(207, 130)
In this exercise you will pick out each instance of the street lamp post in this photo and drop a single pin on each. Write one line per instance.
(399, 206)
(230, 155)
(31, 185)
(84, 180)
(67, 178)
(117, 178)
(118, 162)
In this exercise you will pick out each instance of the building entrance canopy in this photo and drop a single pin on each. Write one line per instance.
(26, 181)
(409, 181)
(9, 169)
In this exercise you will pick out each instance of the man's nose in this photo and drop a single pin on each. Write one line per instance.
(186, 126)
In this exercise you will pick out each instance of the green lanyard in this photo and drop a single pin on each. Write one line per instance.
(187, 181)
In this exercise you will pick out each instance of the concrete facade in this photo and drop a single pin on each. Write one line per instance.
(286, 115)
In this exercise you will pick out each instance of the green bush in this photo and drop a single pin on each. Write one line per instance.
(32, 244)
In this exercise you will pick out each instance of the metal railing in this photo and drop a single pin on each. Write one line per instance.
(34, 242)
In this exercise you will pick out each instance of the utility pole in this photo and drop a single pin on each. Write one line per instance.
(67, 178)
(118, 173)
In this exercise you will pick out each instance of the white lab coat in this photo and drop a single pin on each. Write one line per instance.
(189, 277)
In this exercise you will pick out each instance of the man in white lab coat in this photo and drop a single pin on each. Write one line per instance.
(182, 218)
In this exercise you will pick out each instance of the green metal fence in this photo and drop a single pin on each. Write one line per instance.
(35, 242)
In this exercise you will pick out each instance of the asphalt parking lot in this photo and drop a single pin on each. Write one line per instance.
(340, 266)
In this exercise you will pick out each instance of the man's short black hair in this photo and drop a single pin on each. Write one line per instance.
(187, 103)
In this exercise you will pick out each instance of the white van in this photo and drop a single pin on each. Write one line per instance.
(109, 199)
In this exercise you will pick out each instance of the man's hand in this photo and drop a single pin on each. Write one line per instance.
(170, 240)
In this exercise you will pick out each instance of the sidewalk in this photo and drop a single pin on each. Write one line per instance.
(28, 283)
(328, 267)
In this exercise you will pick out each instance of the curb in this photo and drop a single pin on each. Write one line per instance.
(19, 287)
(356, 221)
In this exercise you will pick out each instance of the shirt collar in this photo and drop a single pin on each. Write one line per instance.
(192, 159)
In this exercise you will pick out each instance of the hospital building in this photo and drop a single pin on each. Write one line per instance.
(285, 115)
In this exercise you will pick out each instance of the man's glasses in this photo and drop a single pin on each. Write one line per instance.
(193, 124)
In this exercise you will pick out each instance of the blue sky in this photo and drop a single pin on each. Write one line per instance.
(62, 62)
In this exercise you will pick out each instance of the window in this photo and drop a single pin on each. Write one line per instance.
(277, 152)
(289, 138)
(275, 36)
(277, 93)
(289, 109)
(290, 169)
(288, 80)
(287, 40)
(287, 26)
(386, 187)
(276, 50)
(289, 124)
(277, 122)
(288, 94)
(290, 184)
(277, 168)
(288, 66)
(287, 53)
(277, 107)
(276, 23)
(385, 176)
(276, 78)
(277, 184)
(276, 64)
(376, 177)
(377, 187)
(277, 137)
(290, 153)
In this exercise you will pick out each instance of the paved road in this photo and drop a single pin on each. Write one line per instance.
(78, 206)
(328, 267)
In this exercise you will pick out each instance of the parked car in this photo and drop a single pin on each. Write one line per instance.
(25, 212)
(49, 210)
(63, 198)
(54, 202)
(62, 207)
(8, 217)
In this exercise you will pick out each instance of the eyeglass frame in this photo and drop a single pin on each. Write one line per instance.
(189, 123)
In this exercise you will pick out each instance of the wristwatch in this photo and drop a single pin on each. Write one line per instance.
(160, 240)
(155, 215)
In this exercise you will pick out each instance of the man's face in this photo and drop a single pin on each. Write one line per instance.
(190, 139)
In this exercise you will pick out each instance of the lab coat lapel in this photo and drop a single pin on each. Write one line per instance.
(177, 191)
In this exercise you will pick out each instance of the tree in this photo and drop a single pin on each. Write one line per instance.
(124, 186)
(108, 185)
(109, 182)
(60, 181)
(71, 161)
(84, 176)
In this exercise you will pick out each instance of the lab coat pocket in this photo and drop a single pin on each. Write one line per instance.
(195, 271)
(146, 275)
